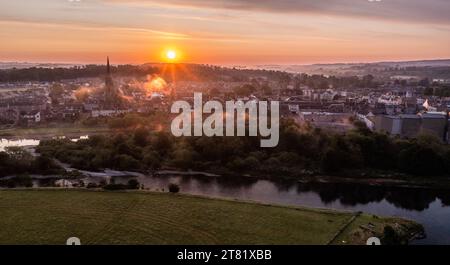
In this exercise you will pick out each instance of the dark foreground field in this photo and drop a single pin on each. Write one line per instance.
(52, 216)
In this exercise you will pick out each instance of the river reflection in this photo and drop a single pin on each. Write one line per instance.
(31, 142)
(19, 143)
(354, 194)
(430, 207)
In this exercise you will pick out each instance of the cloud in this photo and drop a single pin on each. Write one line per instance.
(98, 27)
(420, 11)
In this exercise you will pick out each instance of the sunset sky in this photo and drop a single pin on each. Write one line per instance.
(224, 31)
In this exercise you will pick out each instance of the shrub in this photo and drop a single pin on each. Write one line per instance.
(19, 181)
(115, 187)
(91, 185)
(174, 188)
(133, 184)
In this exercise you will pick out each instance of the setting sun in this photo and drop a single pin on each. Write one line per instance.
(171, 55)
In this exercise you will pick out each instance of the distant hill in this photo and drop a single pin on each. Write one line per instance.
(382, 70)
(423, 68)
(434, 63)
(23, 65)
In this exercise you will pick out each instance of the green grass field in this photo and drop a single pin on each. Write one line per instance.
(52, 216)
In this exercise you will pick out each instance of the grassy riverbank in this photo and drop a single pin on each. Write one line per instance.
(52, 216)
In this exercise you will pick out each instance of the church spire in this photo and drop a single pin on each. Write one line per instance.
(108, 67)
(108, 79)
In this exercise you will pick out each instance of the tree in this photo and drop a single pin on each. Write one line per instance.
(45, 165)
(244, 90)
(284, 80)
(341, 155)
(140, 136)
(102, 159)
(152, 159)
(368, 81)
(18, 153)
(161, 143)
(183, 158)
(323, 84)
(5, 164)
(428, 91)
(56, 91)
(22, 158)
(126, 162)
(424, 82)
(421, 160)
(251, 162)
(214, 92)
(267, 90)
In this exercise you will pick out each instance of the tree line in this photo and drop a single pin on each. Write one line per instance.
(189, 72)
(302, 150)
(16, 160)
